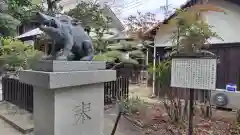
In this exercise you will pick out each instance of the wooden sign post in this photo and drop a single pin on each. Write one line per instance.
(193, 72)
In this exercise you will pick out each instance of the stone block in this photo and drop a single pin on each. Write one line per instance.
(68, 101)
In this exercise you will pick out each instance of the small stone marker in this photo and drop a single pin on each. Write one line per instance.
(68, 100)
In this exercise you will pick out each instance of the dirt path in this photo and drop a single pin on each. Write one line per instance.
(124, 126)
(143, 92)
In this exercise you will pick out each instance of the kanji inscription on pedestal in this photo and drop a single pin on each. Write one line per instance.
(195, 73)
(81, 112)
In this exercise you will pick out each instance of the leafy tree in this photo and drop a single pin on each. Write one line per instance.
(25, 10)
(93, 19)
(18, 2)
(16, 8)
(137, 25)
(17, 55)
(53, 7)
(8, 24)
(123, 52)
(189, 38)
(91, 16)
(128, 51)
(14, 13)
(192, 31)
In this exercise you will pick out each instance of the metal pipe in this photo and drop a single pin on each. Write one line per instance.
(154, 73)
(116, 123)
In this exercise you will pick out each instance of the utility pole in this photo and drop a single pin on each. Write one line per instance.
(165, 9)
(154, 68)
(166, 12)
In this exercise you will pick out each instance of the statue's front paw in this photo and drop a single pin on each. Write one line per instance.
(63, 57)
(49, 57)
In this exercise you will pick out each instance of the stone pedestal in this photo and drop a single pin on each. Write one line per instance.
(68, 96)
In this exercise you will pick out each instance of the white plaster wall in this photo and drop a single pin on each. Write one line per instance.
(163, 37)
(227, 26)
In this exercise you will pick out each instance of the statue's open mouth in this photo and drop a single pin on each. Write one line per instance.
(50, 23)
(46, 21)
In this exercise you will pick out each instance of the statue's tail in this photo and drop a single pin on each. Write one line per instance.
(87, 58)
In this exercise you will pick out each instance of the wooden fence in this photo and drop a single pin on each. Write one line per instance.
(136, 74)
(116, 90)
(17, 93)
(21, 94)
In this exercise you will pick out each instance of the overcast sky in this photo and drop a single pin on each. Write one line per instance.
(124, 8)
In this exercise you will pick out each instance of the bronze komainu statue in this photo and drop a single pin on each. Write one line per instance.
(71, 42)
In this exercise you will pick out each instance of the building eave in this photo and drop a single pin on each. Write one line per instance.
(155, 28)
(113, 15)
(188, 4)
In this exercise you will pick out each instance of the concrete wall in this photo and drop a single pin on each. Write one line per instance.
(225, 25)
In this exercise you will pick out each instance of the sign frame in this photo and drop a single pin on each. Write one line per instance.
(194, 72)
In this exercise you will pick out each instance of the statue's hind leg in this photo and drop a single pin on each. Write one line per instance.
(88, 50)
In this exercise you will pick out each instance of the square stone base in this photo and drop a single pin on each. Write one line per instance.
(68, 96)
(69, 111)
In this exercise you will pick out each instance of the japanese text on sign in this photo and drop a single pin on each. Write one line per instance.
(194, 73)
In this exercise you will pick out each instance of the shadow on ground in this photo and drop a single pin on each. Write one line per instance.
(21, 119)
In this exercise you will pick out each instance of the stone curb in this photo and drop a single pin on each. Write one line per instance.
(20, 129)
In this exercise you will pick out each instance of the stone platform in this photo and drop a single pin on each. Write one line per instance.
(68, 96)
(22, 119)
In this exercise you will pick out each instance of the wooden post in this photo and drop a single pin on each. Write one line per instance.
(190, 122)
